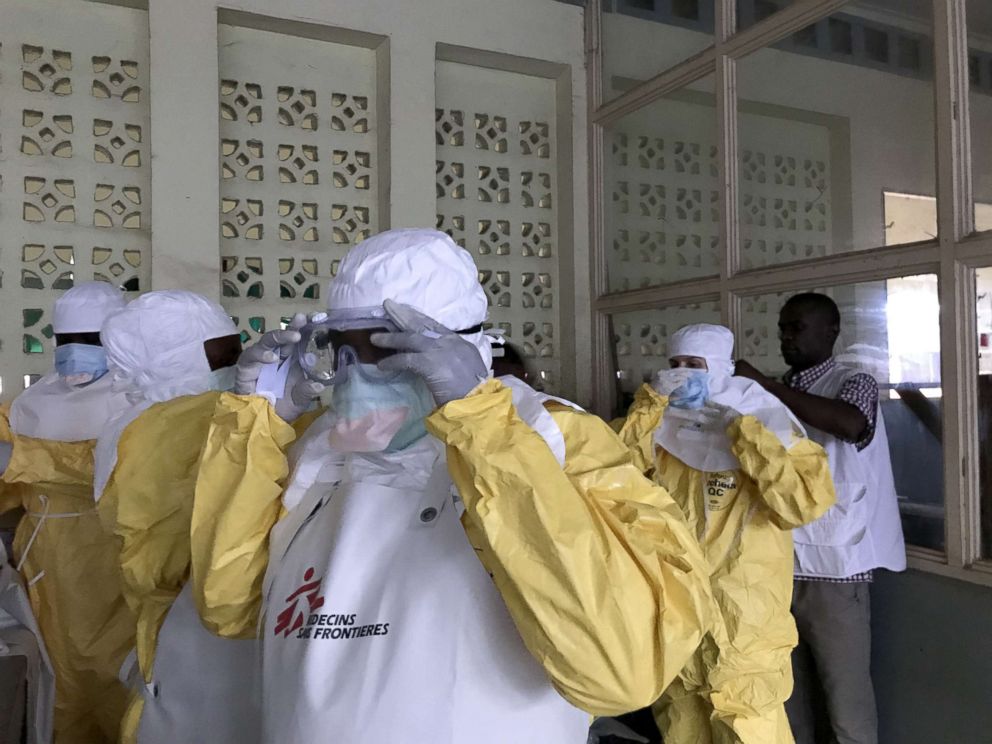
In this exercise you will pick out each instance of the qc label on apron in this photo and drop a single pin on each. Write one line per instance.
(718, 490)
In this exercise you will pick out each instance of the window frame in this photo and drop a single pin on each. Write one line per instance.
(953, 256)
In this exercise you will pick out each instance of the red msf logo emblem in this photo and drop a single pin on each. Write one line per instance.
(291, 619)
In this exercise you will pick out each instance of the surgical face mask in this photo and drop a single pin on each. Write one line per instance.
(78, 364)
(685, 388)
(378, 415)
(222, 379)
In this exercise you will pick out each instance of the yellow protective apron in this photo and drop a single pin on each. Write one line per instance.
(70, 565)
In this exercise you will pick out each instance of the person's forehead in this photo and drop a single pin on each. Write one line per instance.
(78, 336)
(797, 312)
(223, 343)
(229, 339)
(688, 361)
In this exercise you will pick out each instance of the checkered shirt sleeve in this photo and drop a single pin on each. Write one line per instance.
(861, 391)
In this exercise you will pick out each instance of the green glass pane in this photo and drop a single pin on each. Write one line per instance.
(47, 331)
(311, 292)
(255, 290)
(245, 337)
(31, 317)
(257, 324)
(32, 345)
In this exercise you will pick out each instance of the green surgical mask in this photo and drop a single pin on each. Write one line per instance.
(223, 379)
(379, 415)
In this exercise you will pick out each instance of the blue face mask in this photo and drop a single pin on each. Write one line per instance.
(223, 379)
(693, 392)
(79, 364)
(378, 415)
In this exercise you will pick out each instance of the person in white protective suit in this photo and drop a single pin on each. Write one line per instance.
(494, 582)
(68, 561)
(73, 401)
(191, 686)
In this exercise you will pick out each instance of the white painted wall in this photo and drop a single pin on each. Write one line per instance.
(542, 38)
(74, 165)
(184, 75)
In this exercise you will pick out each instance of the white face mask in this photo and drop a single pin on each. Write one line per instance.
(667, 381)
(378, 416)
(80, 364)
(686, 387)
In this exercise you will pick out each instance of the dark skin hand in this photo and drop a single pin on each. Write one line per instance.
(807, 339)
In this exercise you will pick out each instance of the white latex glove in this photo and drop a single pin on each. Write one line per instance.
(299, 394)
(274, 347)
(271, 348)
(667, 381)
(450, 365)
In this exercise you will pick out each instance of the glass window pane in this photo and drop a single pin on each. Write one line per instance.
(662, 217)
(979, 13)
(750, 12)
(837, 137)
(983, 281)
(642, 38)
(891, 330)
(640, 340)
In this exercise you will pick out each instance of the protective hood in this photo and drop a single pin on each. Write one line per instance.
(155, 345)
(105, 451)
(699, 437)
(714, 343)
(421, 268)
(85, 307)
(53, 409)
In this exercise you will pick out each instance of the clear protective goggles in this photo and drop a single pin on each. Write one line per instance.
(330, 347)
